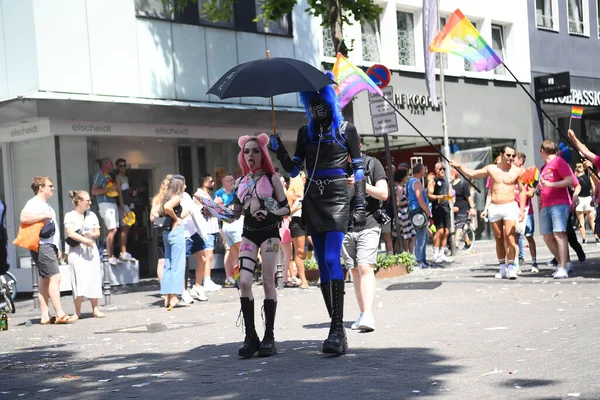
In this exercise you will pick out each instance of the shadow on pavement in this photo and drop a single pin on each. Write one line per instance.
(214, 371)
(429, 285)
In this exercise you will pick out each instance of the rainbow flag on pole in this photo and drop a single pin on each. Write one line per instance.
(351, 81)
(576, 112)
(460, 37)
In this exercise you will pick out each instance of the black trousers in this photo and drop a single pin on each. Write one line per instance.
(573, 241)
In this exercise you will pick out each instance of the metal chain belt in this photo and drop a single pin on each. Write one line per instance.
(321, 183)
(264, 228)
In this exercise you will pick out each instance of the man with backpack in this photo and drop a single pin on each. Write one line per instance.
(360, 244)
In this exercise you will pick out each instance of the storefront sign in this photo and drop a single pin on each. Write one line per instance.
(578, 97)
(25, 131)
(415, 103)
(385, 124)
(550, 86)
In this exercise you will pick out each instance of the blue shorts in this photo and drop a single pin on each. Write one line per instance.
(209, 243)
(554, 219)
(529, 225)
(194, 244)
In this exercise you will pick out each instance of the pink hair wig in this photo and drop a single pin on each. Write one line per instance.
(261, 140)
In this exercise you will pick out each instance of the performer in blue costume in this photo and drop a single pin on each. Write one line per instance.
(324, 145)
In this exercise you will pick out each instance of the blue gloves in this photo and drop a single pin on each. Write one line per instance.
(276, 146)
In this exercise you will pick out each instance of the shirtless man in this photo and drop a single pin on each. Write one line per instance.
(503, 211)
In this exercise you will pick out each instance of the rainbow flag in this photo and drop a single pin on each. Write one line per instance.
(576, 112)
(351, 81)
(460, 37)
(531, 176)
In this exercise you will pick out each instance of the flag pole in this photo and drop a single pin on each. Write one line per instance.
(541, 110)
(272, 106)
(447, 174)
(428, 141)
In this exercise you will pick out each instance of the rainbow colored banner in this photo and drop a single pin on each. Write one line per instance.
(460, 37)
(576, 112)
(351, 81)
(531, 176)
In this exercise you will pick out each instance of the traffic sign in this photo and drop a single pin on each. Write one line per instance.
(380, 74)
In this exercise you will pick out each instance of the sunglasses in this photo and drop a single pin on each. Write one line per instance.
(511, 155)
(442, 169)
(121, 165)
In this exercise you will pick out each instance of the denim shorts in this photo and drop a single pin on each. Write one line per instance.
(209, 243)
(529, 225)
(554, 219)
(194, 244)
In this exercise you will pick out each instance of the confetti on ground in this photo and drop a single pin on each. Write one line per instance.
(416, 391)
(513, 372)
(573, 394)
(71, 376)
(44, 390)
(518, 387)
(141, 384)
(104, 380)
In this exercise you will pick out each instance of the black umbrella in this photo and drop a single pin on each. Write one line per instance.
(268, 77)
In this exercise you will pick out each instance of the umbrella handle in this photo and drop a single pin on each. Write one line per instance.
(273, 116)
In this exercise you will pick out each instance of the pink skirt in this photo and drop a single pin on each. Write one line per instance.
(284, 231)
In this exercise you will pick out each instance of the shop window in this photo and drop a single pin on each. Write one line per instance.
(546, 13)
(498, 44)
(406, 38)
(370, 41)
(578, 17)
(281, 27)
(155, 9)
(203, 20)
(443, 55)
(328, 46)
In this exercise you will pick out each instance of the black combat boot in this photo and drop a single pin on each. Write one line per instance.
(326, 292)
(336, 343)
(267, 347)
(251, 341)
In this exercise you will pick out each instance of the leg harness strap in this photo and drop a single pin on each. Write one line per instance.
(242, 258)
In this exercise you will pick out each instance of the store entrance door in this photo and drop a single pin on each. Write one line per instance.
(139, 240)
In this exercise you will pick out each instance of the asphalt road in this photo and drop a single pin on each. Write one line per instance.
(453, 332)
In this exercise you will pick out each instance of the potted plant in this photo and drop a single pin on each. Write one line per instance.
(311, 269)
(389, 266)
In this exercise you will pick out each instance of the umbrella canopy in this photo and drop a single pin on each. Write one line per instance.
(269, 77)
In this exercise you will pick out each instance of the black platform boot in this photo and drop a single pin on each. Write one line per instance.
(336, 343)
(251, 341)
(267, 347)
(326, 292)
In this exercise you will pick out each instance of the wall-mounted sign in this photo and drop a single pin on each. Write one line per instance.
(578, 97)
(415, 103)
(380, 75)
(388, 93)
(550, 86)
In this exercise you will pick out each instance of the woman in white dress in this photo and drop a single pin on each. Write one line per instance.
(82, 229)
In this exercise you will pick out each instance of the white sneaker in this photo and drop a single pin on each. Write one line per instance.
(367, 323)
(126, 257)
(356, 326)
(210, 286)
(187, 299)
(534, 270)
(512, 272)
(113, 261)
(561, 273)
(569, 267)
(198, 293)
(502, 273)
(444, 258)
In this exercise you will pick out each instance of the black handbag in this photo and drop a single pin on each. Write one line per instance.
(72, 242)
(418, 218)
(48, 229)
(162, 222)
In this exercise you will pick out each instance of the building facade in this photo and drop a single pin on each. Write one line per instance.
(86, 79)
(572, 28)
(485, 110)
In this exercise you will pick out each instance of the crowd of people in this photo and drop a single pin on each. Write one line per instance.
(338, 207)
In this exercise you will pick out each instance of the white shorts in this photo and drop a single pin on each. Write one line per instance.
(110, 214)
(505, 212)
(585, 205)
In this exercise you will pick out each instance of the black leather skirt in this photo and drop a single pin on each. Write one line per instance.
(328, 210)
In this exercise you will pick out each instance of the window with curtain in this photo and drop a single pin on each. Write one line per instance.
(443, 55)
(575, 15)
(543, 14)
(281, 27)
(328, 46)
(370, 41)
(498, 44)
(154, 9)
(406, 38)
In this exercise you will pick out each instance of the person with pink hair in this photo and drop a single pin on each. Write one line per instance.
(261, 197)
